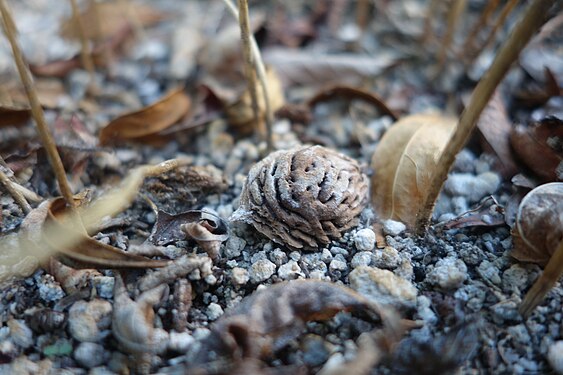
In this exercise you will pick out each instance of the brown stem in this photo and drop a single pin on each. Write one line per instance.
(36, 110)
(431, 11)
(261, 73)
(18, 197)
(248, 61)
(454, 16)
(549, 277)
(533, 19)
(480, 24)
(85, 55)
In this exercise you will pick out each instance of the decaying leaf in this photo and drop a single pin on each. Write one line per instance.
(209, 232)
(495, 128)
(149, 120)
(488, 214)
(302, 198)
(102, 20)
(539, 224)
(89, 252)
(404, 162)
(168, 228)
(268, 319)
(540, 147)
(133, 321)
(13, 112)
(239, 112)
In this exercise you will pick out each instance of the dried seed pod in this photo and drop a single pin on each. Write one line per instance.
(304, 197)
(539, 224)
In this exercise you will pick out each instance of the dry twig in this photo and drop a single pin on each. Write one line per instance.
(479, 25)
(261, 73)
(533, 19)
(36, 110)
(85, 55)
(16, 194)
(454, 16)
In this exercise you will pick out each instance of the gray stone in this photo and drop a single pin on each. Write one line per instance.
(363, 258)
(555, 357)
(338, 265)
(424, 311)
(364, 239)
(490, 272)
(262, 270)
(448, 273)
(180, 341)
(393, 228)
(86, 320)
(474, 188)
(515, 278)
(278, 256)
(234, 247)
(20, 333)
(387, 258)
(240, 276)
(49, 289)
(383, 286)
(214, 311)
(89, 355)
(104, 286)
(290, 270)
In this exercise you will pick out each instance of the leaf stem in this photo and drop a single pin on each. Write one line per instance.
(261, 73)
(36, 110)
(533, 18)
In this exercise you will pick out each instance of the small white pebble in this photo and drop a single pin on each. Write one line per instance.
(214, 311)
(555, 356)
(364, 239)
(393, 228)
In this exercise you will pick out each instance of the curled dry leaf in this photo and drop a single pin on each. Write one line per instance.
(539, 224)
(133, 321)
(270, 318)
(540, 147)
(240, 114)
(89, 252)
(209, 232)
(303, 198)
(495, 128)
(404, 162)
(488, 214)
(149, 120)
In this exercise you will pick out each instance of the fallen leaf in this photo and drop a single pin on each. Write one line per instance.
(539, 224)
(495, 128)
(149, 120)
(209, 232)
(267, 320)
(308, 69)
(404, 162)
(539, 94)
(168, 228)
(13, 112)
(102, 20)
(351, 93)
(488, 214)
(89, 252)
(540, 147)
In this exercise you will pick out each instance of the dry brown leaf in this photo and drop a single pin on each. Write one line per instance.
(539, 224)
(404, 162)
(495, 127)
(270, 318)
(149, 120)
(240, 114)
(13, 111)
(102, 20)
(540, 147)
(89, 252)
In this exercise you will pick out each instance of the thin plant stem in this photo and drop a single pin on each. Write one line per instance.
(36, 110)
(85, 55)
(508, 7)
(248, 62)
(454, 16)
(549, 277)
(480, 24)
(261, 73)
(431, 11)
(18, 197)
(362, 14)
(532, 20)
